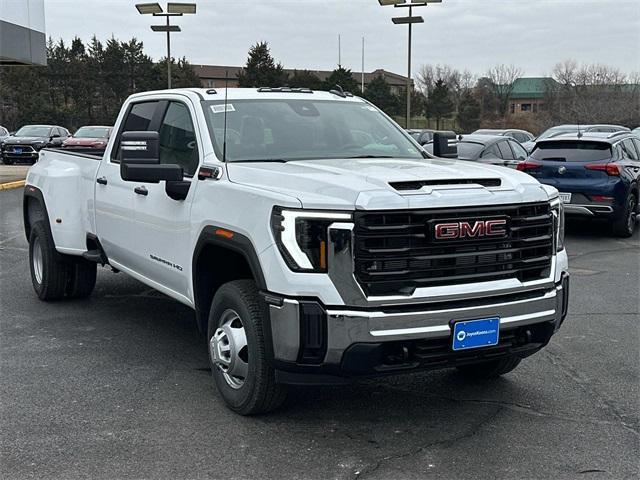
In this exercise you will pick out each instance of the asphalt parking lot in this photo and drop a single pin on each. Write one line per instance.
(118, 386)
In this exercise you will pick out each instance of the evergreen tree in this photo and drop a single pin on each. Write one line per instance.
(344, 78)
(468, 113)
(304, 78)
(261, 70)
(439, 103)
(378, 92)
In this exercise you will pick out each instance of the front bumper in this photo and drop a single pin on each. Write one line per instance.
(317, 344)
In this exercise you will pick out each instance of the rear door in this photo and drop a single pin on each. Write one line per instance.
(115, 207)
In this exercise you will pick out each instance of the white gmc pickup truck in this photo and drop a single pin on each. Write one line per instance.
(314, 238)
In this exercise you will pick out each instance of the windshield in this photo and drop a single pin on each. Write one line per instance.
(304, 129)
(572, 151)
(92, 132)
(554, 132)
(33, 132)
(469, 149)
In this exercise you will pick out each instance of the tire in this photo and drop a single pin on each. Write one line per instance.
(237, 310)
(82, 278)
(49, 270)
(491, 369)
(626, 224)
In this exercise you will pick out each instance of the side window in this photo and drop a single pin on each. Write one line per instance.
(518, 151)
(138, 119)
(177, 138)
(628, 150)
(505, 151)
(491, 152)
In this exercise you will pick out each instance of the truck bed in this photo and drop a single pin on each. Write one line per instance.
(66, 179)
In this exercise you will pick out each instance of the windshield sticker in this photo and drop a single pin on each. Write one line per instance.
(220, 108)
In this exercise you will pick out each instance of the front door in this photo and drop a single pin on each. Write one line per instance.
(163, 230)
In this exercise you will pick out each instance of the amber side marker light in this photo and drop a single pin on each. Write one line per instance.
(323, 255)
(224, 233)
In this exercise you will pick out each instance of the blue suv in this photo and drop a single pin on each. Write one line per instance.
(597, 175)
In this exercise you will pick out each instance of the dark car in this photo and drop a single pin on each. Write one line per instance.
(26, 143)
(89, 137)
(597, 175)
(564, 129)
(492, 149)
(518, 135)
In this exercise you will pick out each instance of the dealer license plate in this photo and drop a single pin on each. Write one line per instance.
(476, 333)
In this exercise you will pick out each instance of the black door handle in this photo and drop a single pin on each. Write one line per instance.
(101, 180)
(141, 191)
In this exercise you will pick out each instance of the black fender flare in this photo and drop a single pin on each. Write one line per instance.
(212, 235)
(34, 192)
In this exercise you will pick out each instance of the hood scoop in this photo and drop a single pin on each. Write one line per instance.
(418, 184)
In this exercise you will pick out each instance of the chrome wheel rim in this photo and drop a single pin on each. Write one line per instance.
(37, 260)
(229, 351)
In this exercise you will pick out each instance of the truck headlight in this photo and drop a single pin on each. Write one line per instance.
(301, 236)
(557, 210)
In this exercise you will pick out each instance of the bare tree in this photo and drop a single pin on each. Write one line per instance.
(503, 78)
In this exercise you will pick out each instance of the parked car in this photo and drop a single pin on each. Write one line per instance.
(307, 255)
(562, 129)
(597, 174)
(490, 149)
(4, 134)
(518, 135)
(422, 136)
(26, 143)
(89, 137)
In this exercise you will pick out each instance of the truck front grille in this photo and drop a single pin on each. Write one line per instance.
(396, 252)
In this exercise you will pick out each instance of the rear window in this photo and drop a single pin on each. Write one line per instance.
(572, 151)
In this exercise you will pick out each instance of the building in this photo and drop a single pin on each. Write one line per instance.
(212, 76)
(22, 32)
(528, 94)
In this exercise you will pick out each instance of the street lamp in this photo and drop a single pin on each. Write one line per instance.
(174, 9)
(409, 20)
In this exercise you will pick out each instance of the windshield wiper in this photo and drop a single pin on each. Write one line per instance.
(371, 156)
(266, 160)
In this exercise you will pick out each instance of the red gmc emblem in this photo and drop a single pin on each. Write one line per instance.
(477, 229)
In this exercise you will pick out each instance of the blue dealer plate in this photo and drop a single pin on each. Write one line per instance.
(17, 150)
(476, 333)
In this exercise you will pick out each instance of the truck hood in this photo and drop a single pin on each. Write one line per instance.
(389, 183)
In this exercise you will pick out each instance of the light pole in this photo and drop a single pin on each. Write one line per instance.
(409, 20)
(173, 10)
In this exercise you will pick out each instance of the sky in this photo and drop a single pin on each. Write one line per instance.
(303, 34)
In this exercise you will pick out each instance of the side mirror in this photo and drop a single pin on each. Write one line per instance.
(445, 145)
(150, 173)
(140, 147)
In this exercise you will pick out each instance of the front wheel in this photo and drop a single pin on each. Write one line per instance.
(238, 350)
(491, 369)
(626, 224)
